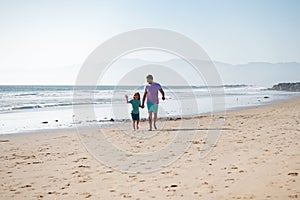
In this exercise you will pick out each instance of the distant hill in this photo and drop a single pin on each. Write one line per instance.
(175, 71)
(293, 87)
(259, 73)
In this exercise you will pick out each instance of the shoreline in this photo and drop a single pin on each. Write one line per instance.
(105, 123)
(62, 117)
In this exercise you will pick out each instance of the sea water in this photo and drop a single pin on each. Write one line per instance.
(28, 108)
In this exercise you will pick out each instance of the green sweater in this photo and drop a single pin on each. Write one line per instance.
(135, 106)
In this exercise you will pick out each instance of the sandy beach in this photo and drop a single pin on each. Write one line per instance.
(257, 157)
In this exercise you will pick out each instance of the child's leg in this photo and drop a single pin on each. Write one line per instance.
(133, 124)
(137, 124)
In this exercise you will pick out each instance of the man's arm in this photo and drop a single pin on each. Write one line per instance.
(162, 93)
(144, 98)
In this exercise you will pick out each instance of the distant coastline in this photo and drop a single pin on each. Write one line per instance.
(292, 87)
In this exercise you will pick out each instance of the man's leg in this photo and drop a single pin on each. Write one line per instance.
(154, 120)
(155, 110)
(150, 121)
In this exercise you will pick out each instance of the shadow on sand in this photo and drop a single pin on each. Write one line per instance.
(196, 129)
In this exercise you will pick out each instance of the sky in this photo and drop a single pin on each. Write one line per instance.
(45, 42)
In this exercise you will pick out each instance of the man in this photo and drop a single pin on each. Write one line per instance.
(151, 93)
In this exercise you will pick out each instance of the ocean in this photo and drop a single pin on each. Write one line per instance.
(31, 108)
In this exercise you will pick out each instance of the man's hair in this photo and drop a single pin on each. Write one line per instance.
(149, 77)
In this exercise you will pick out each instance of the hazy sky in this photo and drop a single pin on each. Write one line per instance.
(55, 36)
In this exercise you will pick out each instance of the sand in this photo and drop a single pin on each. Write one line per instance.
(257, 157)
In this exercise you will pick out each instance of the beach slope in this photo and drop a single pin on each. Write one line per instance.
(257, 157)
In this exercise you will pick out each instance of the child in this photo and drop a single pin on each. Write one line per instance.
(135, 113)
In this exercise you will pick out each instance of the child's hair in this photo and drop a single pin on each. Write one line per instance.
(138, 94)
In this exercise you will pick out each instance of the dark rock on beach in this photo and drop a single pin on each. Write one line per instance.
(293, 87)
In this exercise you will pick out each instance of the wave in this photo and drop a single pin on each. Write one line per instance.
(39, 97)
(39, 106)
(25, 107)
(26, 94)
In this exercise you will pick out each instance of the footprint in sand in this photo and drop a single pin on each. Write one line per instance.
(83, 158)
(65, 186)
(125, 195)
(293, 174)
(86, 194)
(229, 179)
(293, 196)
(26, 186)
(84, 166)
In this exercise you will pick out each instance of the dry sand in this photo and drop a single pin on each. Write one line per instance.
(257, 157)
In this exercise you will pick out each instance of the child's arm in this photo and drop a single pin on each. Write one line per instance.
(126, 97)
